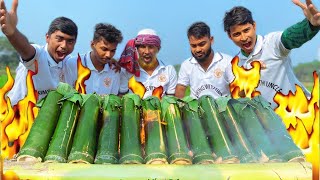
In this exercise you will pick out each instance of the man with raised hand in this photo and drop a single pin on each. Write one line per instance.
(60, 41)
(273, 49)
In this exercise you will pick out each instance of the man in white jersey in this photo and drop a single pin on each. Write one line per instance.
(60, 42)
(272, 50)
(139, 59)
(103, 79)
(205, 72)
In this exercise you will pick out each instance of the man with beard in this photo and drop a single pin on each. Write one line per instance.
(205, 72)
(46, 60)
(103, 79)
(139, 59)
(272, 50)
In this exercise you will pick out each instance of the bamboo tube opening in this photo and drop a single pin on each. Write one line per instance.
(157, 161)
(79, 162)
(180, 161)
(298, 159)
(28, 158)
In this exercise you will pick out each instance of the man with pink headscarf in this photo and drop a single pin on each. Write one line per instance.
(139, 59)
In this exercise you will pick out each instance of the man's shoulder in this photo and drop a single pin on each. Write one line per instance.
(187, 62)
(225, 56)
(272, 36)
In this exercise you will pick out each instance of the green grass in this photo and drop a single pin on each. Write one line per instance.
(3, 80)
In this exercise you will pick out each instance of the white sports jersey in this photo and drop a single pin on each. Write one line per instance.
(106, 81)
(215, 81)
(164, 76)
(276, 70)
(49, 75)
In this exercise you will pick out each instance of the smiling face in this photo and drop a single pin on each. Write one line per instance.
(244, 36)
(201, 47)
(60, 45)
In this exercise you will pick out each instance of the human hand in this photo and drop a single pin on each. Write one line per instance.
(310, 11)
(8, 19)
(113, 62)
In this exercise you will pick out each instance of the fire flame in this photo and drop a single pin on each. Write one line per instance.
(83, 75)
(136, 87)
(17, 122)
(9, 175)
(301, 117)
(6, 88)
(246, 80)
(157, 92)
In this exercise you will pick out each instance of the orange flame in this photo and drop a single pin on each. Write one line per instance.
(3, 91)
(9, 175)
(6, 116)
(246, 80)
(83, 75)
(16, 125)
(157, 92)
(136, 87)
(301, 117)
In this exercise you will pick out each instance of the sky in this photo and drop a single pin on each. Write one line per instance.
(169, 18)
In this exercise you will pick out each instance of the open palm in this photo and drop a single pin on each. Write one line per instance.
(8, 19)
(310, 11)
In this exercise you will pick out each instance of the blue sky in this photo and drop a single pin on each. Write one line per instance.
(170, 18)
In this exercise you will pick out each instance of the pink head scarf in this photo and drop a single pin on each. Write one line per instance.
(129, 56)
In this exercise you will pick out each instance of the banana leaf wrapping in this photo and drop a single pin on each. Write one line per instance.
(109, 135)
(155, 147)
(61, 142)
(216, 131)
(130, 150)
(199, 145)
(37, 142)
(178, 150)
(238, 138)
(85, 138)
(276, 131)
(254, 131)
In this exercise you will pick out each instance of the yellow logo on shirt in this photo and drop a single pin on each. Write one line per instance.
(217, 73)
(162, 78)
(107, 82)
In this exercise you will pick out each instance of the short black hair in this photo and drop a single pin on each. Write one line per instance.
(238, 15)
(64, 25)
(108, 32)
(199, 30)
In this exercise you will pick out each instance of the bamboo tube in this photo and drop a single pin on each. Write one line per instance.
(254, 130)
(37, 142)
(177, 143)
(155, 147)
(130, 150)
(216, 131)
(61, 142)
(276, 130)
(85, 138)
(109, 135)
(235, 131)
(199, 145)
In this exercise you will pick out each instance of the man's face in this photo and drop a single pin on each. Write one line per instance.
(60, 45)
(147, 54)
(200, 48)
(103, 50)
(244, 36)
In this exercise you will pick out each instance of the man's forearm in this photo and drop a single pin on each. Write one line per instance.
(22, 45)
(298, 34)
